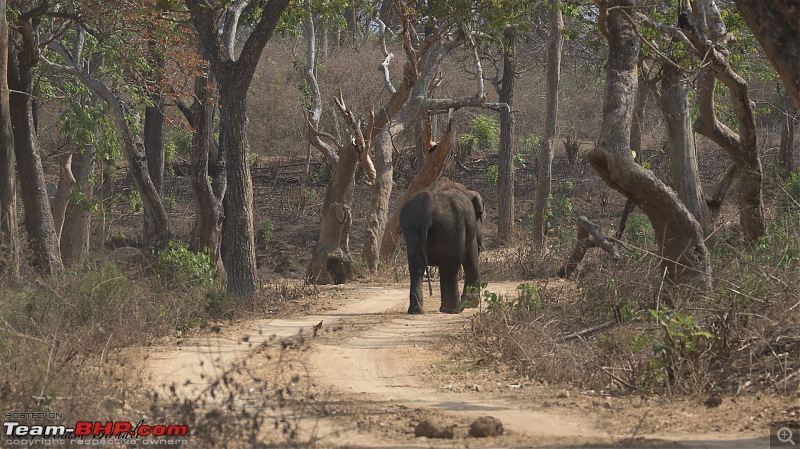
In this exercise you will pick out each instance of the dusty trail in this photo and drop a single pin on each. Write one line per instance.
(379, 368)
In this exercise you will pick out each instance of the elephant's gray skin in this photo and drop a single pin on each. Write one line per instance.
(442, 226)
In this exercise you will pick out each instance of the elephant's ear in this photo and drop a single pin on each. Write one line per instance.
(477, 203)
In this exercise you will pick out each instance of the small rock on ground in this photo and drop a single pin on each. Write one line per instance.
(432, 429)
(486, 426)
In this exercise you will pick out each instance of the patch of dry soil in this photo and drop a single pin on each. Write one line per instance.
(371, 385)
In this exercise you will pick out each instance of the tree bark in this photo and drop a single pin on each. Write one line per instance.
(239, 251)
(65, 182)
(381, 192)
(208, 194)
(505, 154)
(9, 237)
(154, 142)
(545, 168)
(776, 26)
(678, 234)
(234, 75)
(330, 260)
(77, 223)
(673, 99)
(42, 238)
(740, 146)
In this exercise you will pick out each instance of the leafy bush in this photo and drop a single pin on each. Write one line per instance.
(527, 300)
(264, 233)
(180, 266)
(789, 198)
(177, 142)
(491, 175)
(484, 133)
(533, 143)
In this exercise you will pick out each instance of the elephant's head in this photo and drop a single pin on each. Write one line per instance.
(477, 203)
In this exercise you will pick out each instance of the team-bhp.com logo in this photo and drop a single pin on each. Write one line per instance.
(156, 434)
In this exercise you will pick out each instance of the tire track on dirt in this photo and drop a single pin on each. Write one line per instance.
(381, 365)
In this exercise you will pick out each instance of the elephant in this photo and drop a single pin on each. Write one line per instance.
(442, 226)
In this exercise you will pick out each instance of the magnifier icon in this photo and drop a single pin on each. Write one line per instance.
(785, 435)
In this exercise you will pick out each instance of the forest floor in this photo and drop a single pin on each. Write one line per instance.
(367, 374)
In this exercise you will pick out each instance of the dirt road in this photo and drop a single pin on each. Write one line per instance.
(371, 377)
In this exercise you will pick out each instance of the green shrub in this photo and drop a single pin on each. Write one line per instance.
(789, 198)
(177, 142)
(484, 133)
(527, 300)
(264, 233)
(533, 143)
(179, 266)
(491, 175)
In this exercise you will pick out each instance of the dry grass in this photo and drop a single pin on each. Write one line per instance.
(655, 337)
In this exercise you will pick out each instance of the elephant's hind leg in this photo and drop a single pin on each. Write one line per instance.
(417, 272)
(448, 278)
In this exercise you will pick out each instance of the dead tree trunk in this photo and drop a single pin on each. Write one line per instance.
(330, 261)
(9, 236)
(678, 234)
(545, 169)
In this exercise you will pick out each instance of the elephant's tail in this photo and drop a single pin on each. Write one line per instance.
(424, 244)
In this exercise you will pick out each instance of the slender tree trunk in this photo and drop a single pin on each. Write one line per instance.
(154, 149)
(638, 117)
(41, 232)
(351, 18)
(684, 173)
(9, 238)
(709, 39)
(209, 214)
(786, 150)
(505, 155)
(545, 169)
(65, 182)
(239, 255)
(382, 191)
(154, 142)
(678, 234)
(636, 144)
(77, 224)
